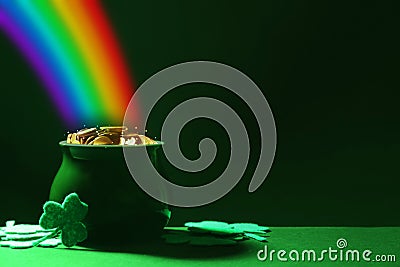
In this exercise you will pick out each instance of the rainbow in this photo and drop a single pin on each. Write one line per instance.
(72, 48)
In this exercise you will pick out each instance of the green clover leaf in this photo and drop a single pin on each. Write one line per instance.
(250, 228)
(73, 233)
(75, 210)
(211, 233)
(66, 218)
(53, 215)
(214, 227)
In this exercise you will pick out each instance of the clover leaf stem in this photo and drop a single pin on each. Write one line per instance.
(51, 235)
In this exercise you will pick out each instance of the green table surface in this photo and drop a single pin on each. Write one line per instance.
(380, 240)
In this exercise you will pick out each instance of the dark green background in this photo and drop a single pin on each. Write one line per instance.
(329, 70)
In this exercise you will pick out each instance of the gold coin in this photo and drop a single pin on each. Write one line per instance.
(74, 139)
(102, 140)
(89, 139)
(115, 137)
(147, 140)
(117, 129)
(86, 132)
(130, 135)
(136, 137)
(69, 138)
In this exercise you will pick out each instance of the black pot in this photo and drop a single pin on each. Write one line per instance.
(118, 208)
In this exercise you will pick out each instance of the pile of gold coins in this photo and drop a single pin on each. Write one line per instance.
(108, 135)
